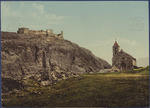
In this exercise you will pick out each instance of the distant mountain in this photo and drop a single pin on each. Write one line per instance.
(143, 62)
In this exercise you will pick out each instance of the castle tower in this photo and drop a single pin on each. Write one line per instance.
(23, 30)
(116, 48)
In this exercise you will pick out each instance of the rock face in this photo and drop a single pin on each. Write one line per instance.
(46, 59)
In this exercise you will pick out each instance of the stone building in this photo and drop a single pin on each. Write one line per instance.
(121, 59)
(23, 30)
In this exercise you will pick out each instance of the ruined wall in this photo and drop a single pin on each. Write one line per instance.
(60, 36)
(23, 30)
(48, 32)
(37, 32)
(32, 32)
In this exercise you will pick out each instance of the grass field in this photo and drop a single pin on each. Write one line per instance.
(124, 89)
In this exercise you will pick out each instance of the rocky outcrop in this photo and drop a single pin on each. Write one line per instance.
(46, 59)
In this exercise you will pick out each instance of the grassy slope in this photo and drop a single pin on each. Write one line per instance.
(124, 89)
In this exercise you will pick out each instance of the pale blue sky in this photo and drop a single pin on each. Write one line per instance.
(91, 24)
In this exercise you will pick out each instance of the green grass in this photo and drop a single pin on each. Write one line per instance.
(124, 89)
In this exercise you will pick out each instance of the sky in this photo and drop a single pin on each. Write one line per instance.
(91, 24)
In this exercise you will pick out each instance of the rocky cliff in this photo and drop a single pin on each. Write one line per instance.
(46, 59)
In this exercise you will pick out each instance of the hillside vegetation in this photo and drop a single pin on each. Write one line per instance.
(124, 89)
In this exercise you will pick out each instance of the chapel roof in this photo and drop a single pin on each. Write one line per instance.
(116, 44)
(122, 53)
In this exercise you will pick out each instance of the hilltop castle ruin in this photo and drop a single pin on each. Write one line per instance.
(48, 32)
(121, 60)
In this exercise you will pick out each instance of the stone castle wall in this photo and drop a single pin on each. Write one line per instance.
(48, 32)
(37, 32)
(23, 30)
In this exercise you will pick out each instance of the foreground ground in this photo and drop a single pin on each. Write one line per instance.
(125, 89)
